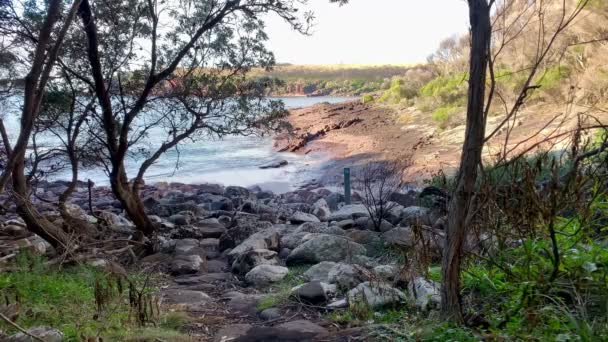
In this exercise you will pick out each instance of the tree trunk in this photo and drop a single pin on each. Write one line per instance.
(459, 208)
(128, 197)
(130, 200)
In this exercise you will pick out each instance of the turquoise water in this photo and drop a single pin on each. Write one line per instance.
(234, 160)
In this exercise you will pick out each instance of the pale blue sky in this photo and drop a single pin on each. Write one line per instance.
(370, 32)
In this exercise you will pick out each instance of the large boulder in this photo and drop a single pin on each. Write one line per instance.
(300, 330)
(310, 293)
(321, 209)
(189, 247)
(349, 212)
(347, 276)
(187, 264)
(248, 260)
(415, 216)
(375, 295)
(266, 274)
(319, 272)
(267, 239)
(214, 189)
(333, 200)
(294, 238)
(243, 230)
(236, 191)
(299, 217)
(387, 272)
(425, 293)
(405, 199)
(366, 223)
(323, 247)
(301, 196)
(181, 299)
(213, 202)
(405, 238)
(182, 218)
(210, 228)
(401, 237)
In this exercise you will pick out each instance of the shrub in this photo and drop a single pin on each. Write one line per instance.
(367, 98)
(450, 89)
(442, 115)
(553, 76)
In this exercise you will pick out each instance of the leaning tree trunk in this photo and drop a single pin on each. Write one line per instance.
(45, 56)
(459, 208)
(128, 196)
(130, 200)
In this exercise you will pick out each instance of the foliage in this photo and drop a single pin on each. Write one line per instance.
(449, 88)
(81, 301)
(553, 76)
(367, 98)
(330, 79)
(441, 115)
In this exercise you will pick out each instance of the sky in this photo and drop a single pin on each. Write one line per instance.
(370, 32)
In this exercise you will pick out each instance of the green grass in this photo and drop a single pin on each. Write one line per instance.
(281, 291)
(66, 300)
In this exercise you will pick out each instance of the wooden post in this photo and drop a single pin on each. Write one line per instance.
(347, 199)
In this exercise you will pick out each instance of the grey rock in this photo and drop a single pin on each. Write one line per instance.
(323, 247)
(347, 276)
(400, 237)
(247, 261)
(366, 223)
(310, 293)
(321, 210)
(215, 202)
(303, 327)
(376, 295)
(319, 272)
(425, 293)
(338, 304)
(270, 314)
(333, 200)
(180, 220)
(405, 199)
(274, 164)
(266, 274)
(209, 229)
(348, 212)
(47, 334)
(214, 189)
(243, 230)
(415, 216)
(186, 264)
(300, 217)
(236, 191)
(387, 272)
(232, 332)
(267, 239)
(185, 299)
(346, 224)
(187, 247)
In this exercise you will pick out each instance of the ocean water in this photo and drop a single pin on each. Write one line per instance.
(234, 160)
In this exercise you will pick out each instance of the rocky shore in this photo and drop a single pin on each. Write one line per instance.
(227, 249)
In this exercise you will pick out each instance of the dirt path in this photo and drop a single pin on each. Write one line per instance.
(221, 308)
